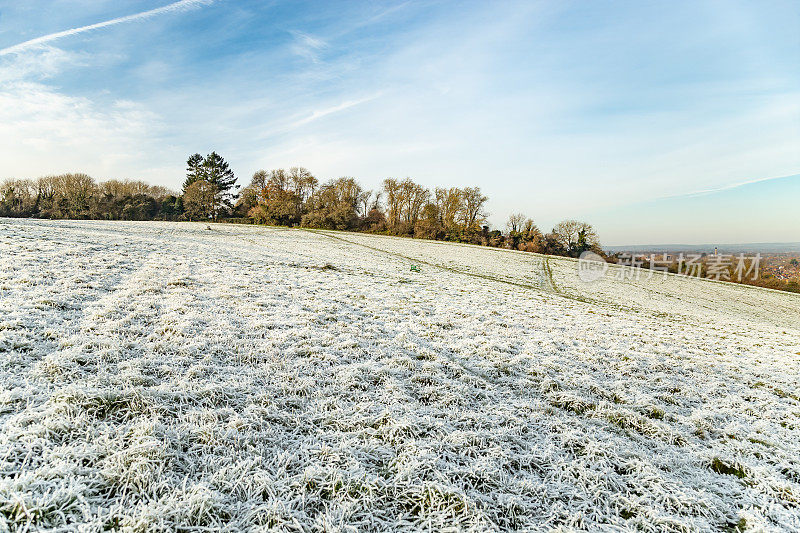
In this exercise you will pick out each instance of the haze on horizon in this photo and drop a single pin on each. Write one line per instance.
(672, 122)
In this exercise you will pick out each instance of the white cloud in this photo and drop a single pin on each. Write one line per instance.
(45, 62)
(43, 129)
(307, 46)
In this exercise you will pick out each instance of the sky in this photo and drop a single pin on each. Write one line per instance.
(635, 116)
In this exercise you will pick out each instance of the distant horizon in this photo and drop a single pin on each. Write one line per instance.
(788, 247)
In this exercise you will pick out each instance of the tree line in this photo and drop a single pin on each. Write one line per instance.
(78, 196)
(293, 197)
(400, 207)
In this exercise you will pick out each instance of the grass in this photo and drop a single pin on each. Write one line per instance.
(729, 469)
(246, 379)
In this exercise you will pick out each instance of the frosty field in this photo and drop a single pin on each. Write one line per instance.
(166, 376)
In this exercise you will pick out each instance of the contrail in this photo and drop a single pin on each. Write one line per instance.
(183, 5)
(335, 109)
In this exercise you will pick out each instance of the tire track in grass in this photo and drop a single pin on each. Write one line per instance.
(551, 287)
(497, 387)
(546, 266)
(653, 436)
(546, 273)
(571, 291)
(417, 340)
(417, 260)
(619, 421)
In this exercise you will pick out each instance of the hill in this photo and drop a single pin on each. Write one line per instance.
(183, 376)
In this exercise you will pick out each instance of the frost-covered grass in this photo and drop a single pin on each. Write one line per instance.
(168, 376)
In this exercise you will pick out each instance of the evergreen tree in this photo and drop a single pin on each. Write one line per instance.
(582, 244)
(218, 173)
(195, 170)
(214, 170)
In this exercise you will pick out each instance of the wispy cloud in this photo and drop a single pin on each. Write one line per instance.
(182, 5)
(318, 114)
(42, 63)
(52, 132)
(307, 46)
(705, 192)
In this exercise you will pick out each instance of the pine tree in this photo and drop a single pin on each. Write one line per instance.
(582, 244)
(195, 170)
(214, 170)
(217, 172)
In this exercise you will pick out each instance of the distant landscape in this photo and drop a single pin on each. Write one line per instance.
(751, 248)
(295, 197)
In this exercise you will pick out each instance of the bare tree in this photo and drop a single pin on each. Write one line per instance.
(473, 214)
(449, 205)
(277, 179)
(364, 202)
(572, 234)
(393, 200)
(531, 231)
(515, 222)
(376, 201)
(334, 205)
(348, 192)
(428, 226)
(302, 183)
(18, 197)
(259, 180)
(71, 194)
(413, 198)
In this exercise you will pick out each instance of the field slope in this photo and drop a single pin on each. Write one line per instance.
(162, 376)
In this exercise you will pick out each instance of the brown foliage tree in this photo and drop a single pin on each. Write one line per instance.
(472, 213)
(200, 200)
(428, 226)
(449, 205)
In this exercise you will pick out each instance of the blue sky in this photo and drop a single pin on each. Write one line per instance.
(735, 214)
(555, 109)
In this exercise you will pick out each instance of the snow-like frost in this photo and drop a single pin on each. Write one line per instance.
(161, 376)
